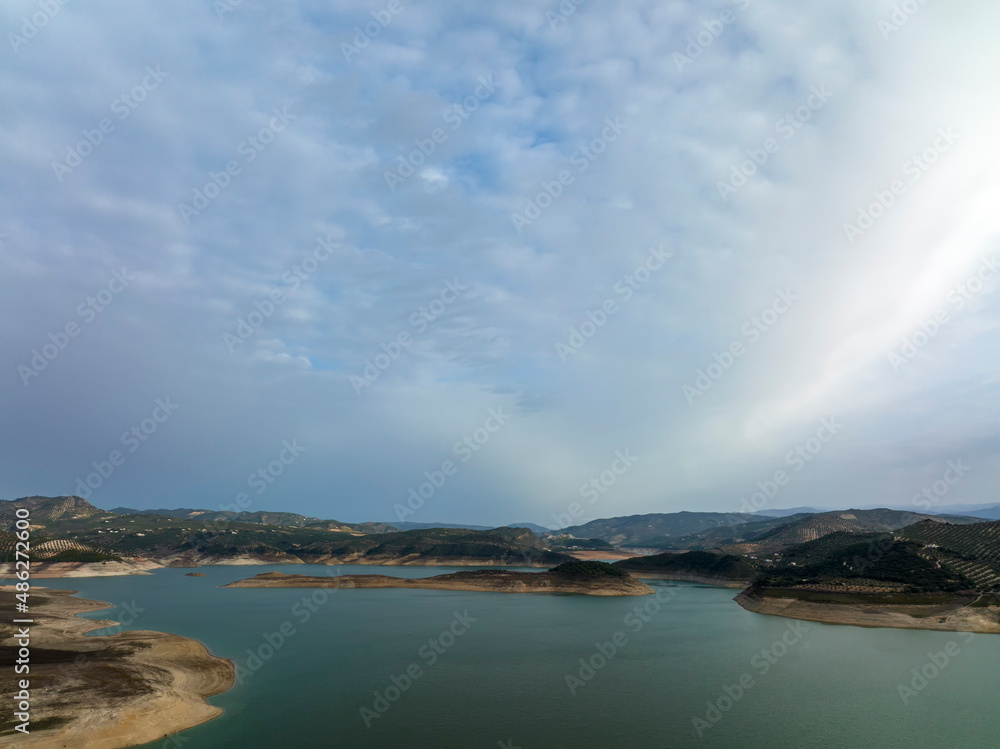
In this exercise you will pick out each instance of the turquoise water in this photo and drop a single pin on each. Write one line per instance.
(502, 677)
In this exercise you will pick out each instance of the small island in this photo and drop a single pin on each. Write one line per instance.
(583, 578)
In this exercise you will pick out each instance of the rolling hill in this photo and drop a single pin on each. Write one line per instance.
(284, 519)
(726, 534)
(69, 529)
(813, 527)
(637, 530)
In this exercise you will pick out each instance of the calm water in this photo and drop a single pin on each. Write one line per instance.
(503, 677)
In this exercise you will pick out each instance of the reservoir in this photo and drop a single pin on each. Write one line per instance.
(429, 669)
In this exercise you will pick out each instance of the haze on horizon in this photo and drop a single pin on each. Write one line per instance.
(535, 219)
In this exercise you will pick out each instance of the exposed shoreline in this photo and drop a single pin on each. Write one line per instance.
(56, 570)
(487, 581)
(53, 570)
(945, 617)
(691, 577)
(111, 691)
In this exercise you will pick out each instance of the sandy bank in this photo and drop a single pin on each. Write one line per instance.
(49, 570)
(956, 617)
(106, 692)
(601, 556)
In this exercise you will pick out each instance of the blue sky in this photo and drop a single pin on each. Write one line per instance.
(475, 196)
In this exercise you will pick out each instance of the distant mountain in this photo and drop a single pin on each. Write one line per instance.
(794, 511)
(713, 538)
(636, 530)
(425, 526)
(987, 512)
(537, 529)
(984, 511)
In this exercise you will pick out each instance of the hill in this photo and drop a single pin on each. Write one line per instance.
(703, 566)
(864, 563)
(636, 530)
(50, 509)
(722, 535)
(979, 540)
(284, 519)
(72, 530)
(813, 527)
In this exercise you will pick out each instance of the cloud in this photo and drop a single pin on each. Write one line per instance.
(496, 103)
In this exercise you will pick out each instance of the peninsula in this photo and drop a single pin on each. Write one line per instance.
(104, 692)
(583, 578)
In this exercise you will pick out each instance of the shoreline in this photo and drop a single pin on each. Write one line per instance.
(943, 617)
(686, 577)
(481, 581)
(60, 570)
(110, 691)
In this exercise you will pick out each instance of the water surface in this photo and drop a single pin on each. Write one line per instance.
(503, 677)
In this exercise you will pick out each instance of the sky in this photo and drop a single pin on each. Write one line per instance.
(498, 262)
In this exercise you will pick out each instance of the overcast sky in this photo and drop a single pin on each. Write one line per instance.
(440, 194)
